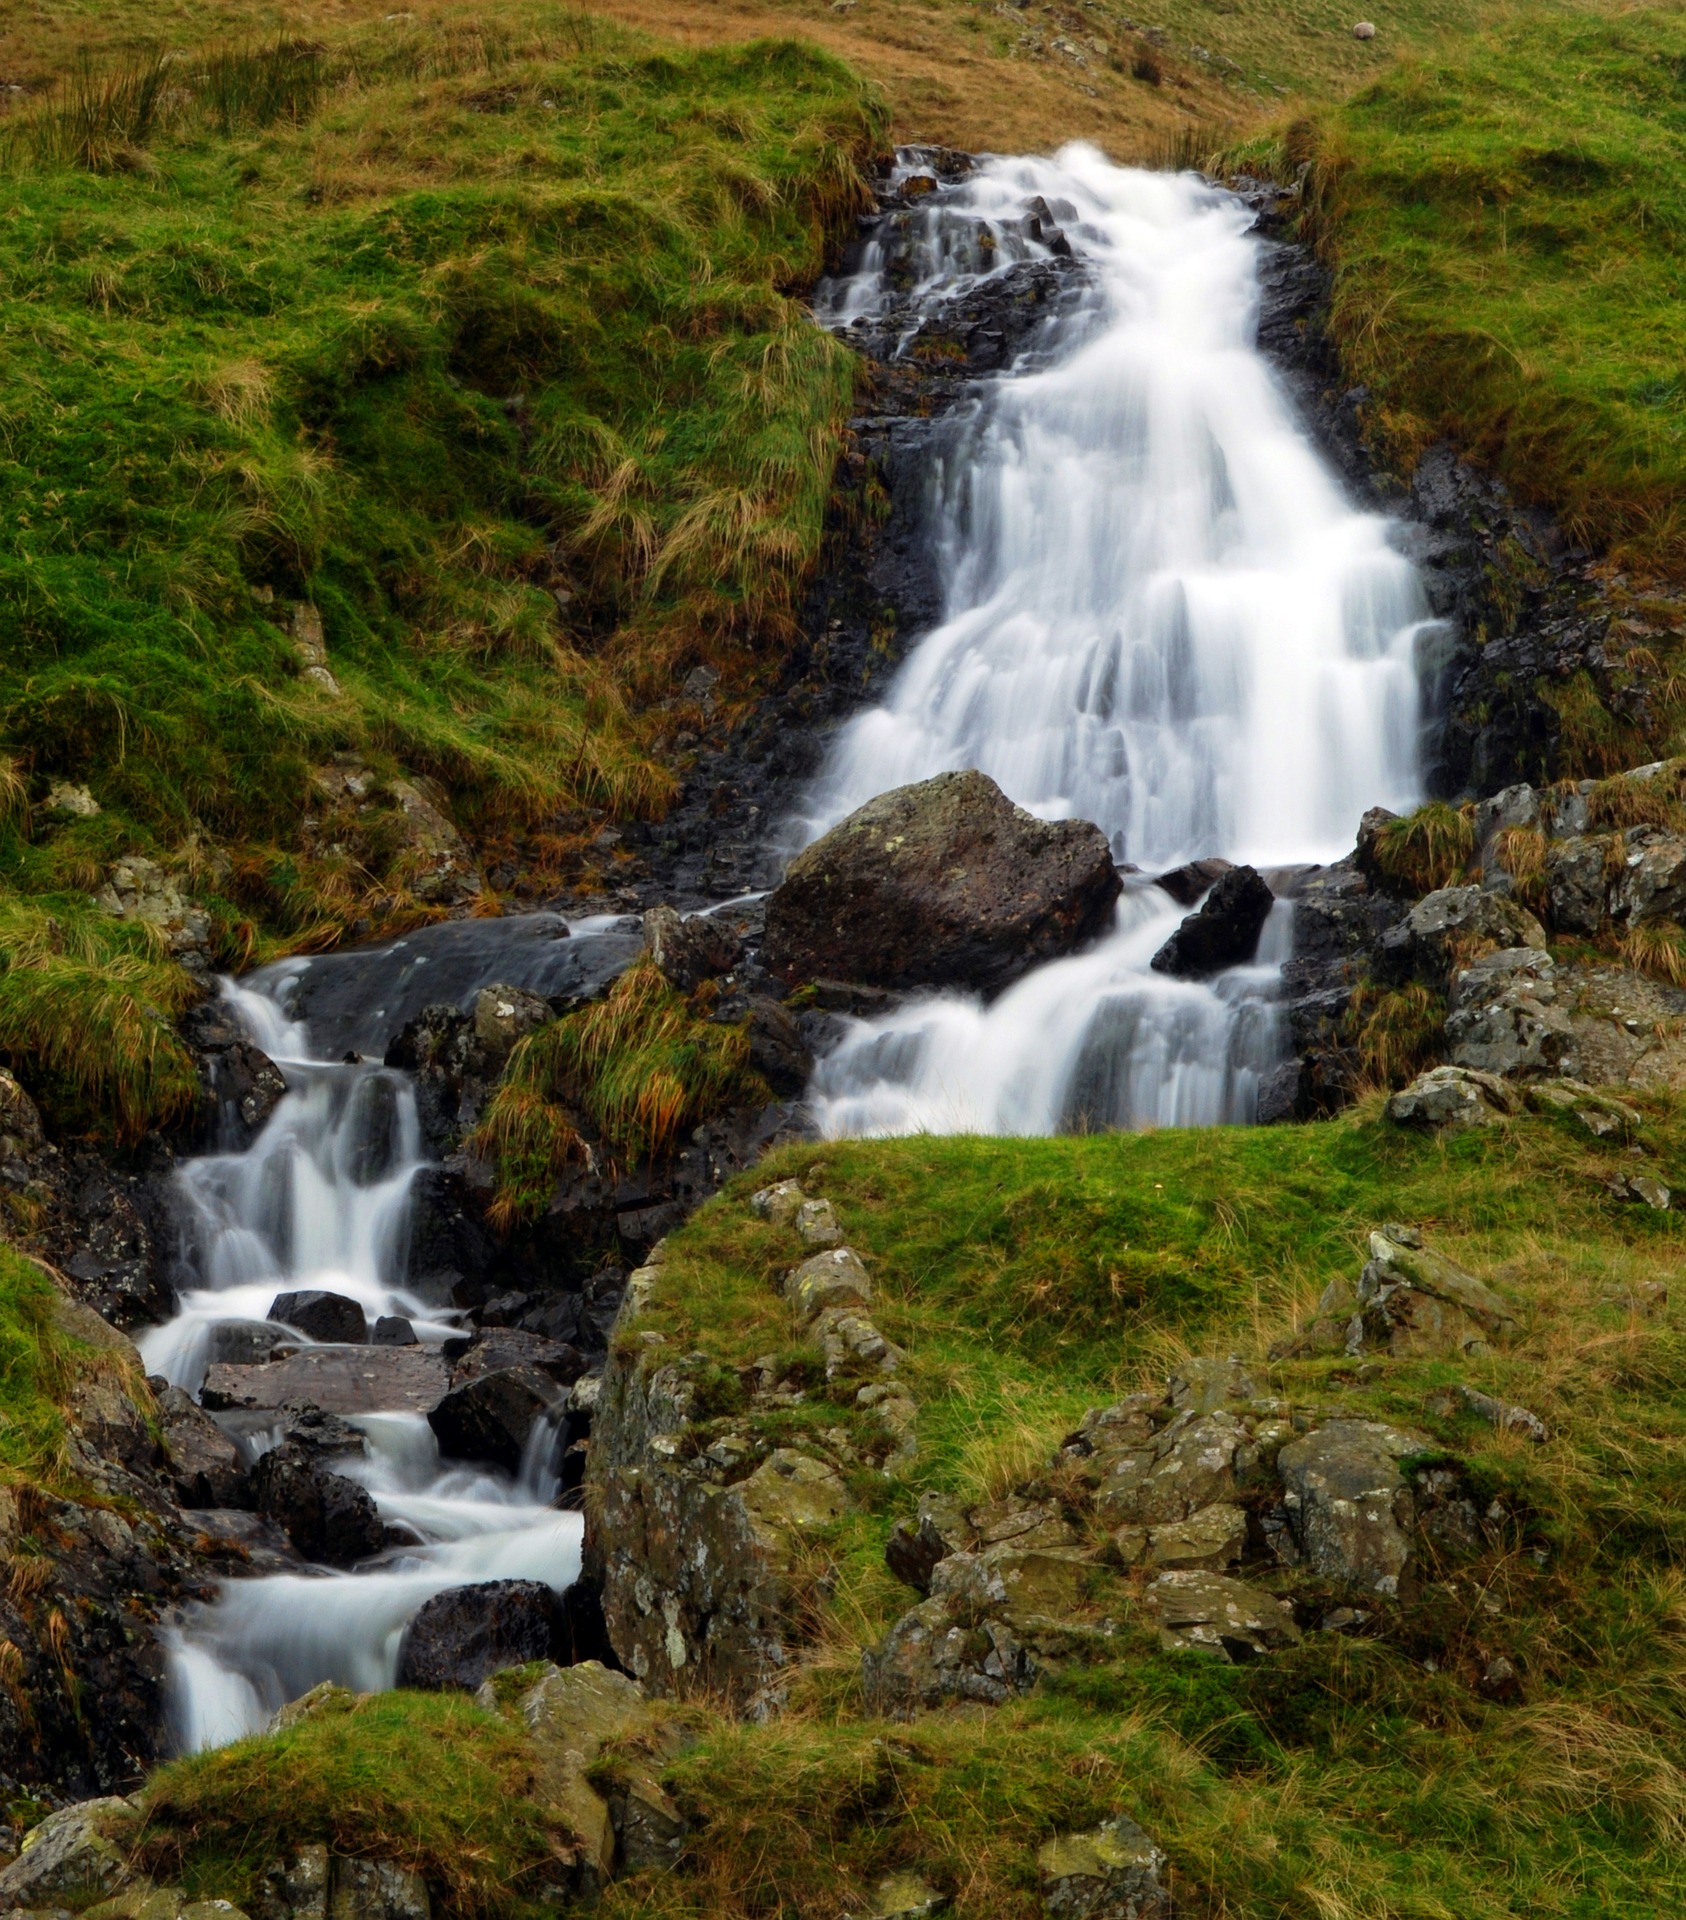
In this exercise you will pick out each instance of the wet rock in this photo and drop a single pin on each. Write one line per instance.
(1450, 1099)
(242, 1085)
(377, 1890)
(392, 1330)
(1113, 1872)
(500, 1348)
(451, 1246)
(205, 1466)
(833, 1279)
(1349, 1505)
(248, 1343)
(1186, 884)
(75, 1855)
(1503, 1017)
(1412, 1300)
(1443, 928)
(466, 1634)
(1225, 931)
(1448, 1402)
(341, 1380)
(490, 1416)
(1211, 1613)
(502, 1015)
(329, 1317)
(945, 883)
(690, 950)
(327, 1517)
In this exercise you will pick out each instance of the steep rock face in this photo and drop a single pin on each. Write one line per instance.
(944, 883)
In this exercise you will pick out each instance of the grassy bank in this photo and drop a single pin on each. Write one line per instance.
(1505, 217)
(478, 341)
(1365, 1777)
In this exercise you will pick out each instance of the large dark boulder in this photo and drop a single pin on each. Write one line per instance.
(943, 884)
(329, 1518)
(321, 1315)
(1224, 933)
(466, 1634)
(490, 1416)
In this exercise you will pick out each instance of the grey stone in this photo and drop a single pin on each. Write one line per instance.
(1450, 1099)
(915, 1547)
(1114, 1872)
(341, 1380)
(1203, 1384)
(816, 1224)
(205, 1464)
(1191, 1464)
(1413, 1300)
(1213, 1538)
(1208, 1612)
(1503, 1017)
(779, 1203)
(1443, 925)
(491, 1416)
(1497, 1413)
(503, 1015)
(834, 1278)
(1651, 884)
(377, 1890)
(689, 950)
(1349, 1505)
(466, 1634)
(1577, 889)
(73, 1855)
(392, 1330)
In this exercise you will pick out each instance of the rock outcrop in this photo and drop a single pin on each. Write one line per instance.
(1224, 932)
(945, 883)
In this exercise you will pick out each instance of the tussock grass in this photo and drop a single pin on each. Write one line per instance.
(1427, 848)
(37, 1370)
(639, 1066)
(1398, 1031)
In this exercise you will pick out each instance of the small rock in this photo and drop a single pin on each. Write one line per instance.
(793, 1492)
(1348, 1503)
(66, 801)
(205, 1464)
(1213, 1539)
(1450, 1099)
(1412, 1300)
(903, 1896)
(466, 1634)
(915, 1547)
(1204, 1385)
(1114, 1872)
(1225, 931)
(1645, 1297)
(392, 1330)
(1641, 1187)
(1500, 1682)
(377, 1890)
(79, 1852)
(1211, 1613)
(328, 1317)
(1448, 1402)
(780, 1204)
(691, 950)
(816, 1224)
(1600, 1113)
(1435, 937)
(1364, 30)
(503, 1015)
(325, 1698)
(832, 1279)
(1186, 884)
(1503, 1016)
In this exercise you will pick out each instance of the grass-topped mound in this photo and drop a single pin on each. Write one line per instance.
(429, 396)
(1504, 216)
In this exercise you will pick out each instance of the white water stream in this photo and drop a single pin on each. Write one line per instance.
(1161, 614)
(321, 1199)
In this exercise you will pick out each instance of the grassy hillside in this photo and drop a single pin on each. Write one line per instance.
(481, 342)
(1507, 220)
(1365, 1777)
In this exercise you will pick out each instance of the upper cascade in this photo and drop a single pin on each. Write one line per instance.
(1161, 614)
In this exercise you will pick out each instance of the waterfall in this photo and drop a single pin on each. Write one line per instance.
(1160, 614)
(322, 1199)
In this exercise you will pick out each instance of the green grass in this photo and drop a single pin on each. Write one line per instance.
(426, 327)
(1506, 217)
(429, 1781)
(37, 1366)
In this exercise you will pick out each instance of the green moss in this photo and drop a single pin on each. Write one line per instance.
(37, 1365)
(426, 1780)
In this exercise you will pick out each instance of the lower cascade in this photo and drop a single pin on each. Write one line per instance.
(1161, 615)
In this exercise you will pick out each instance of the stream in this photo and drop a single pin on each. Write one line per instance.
(1160, 614)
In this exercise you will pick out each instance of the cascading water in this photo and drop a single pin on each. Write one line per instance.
(321, 1199)
(1161, 615)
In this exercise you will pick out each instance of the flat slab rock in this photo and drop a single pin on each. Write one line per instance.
(336, 1379)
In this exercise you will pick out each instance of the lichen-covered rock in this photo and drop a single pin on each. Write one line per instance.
(72, 1857)
(690, 949)
(944, 883)
(1190, 1464)
(902, 1896)
(1450, 1099)
(502, 1015)
(1211, 1613)
(835, 1278)
(1114, 1872)
(1502, 1414)
(1504, 1018)
(816, 1224)
(1413, 1300)
(1443, 926)
(1577, 884)
(915, 1546)
(1213, 1539)
(1651, 881)
(1349, 1504)
(779, 1203)
(377, 1890)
